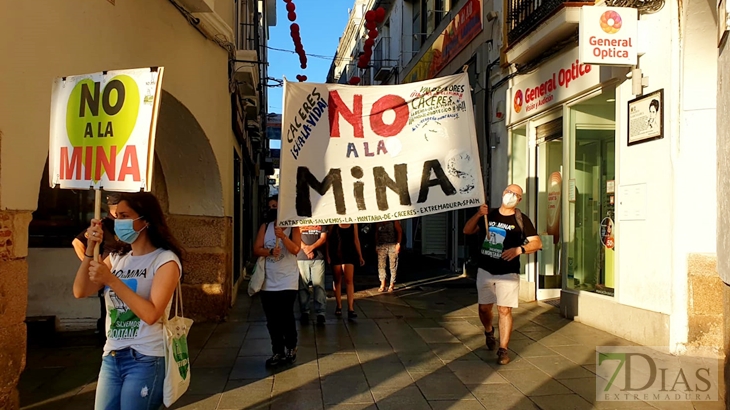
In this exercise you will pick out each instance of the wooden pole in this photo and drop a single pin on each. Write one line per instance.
(97, 216)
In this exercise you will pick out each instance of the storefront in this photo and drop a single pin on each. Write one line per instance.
(562, 145)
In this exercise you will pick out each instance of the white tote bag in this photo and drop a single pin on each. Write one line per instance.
(259, 274)
(177, 357)
(257, 279)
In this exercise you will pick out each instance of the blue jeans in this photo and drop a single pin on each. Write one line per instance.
(129, 380)
(312, 271)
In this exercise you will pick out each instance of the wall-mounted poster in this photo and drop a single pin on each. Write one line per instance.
(646, 117)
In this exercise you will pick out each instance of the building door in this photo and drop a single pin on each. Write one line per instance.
(591, 232)
(548, 192)
(435, 234)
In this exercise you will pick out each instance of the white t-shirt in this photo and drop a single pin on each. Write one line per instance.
(282, 273)
(123, 328)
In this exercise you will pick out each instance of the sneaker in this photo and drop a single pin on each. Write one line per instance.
(275, 360)
(491, 341)
(502, 356)
(304, 320)
(321, 319)
(291, 355)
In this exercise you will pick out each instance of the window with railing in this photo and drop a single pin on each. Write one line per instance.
(523, 16)
(248, 36)
(381, 54)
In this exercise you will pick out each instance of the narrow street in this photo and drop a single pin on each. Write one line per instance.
(421, 347)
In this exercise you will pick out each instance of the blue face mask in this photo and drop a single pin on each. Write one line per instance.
(124, 229)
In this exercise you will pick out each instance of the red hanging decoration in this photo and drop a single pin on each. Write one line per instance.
(369, 43)
(380, 15)
(373, 33)
(296, 37)
(301, 78)
(354, 81)
(371, 25)
(370, 15)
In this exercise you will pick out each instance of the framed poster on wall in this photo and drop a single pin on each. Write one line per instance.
(646, 118)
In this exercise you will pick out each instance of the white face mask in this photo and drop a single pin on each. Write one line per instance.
(509, 200)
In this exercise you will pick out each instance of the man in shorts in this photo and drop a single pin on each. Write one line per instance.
(510, 235)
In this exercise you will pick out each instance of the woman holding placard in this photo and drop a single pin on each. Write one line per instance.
(281, 284)
(138, 284)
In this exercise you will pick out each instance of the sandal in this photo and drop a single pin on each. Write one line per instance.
(381, 289)
(391, 288)
(338, 311)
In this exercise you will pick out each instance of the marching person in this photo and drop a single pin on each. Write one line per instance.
(138, 284)
(510, 235)
(281, 282)
(311, 269)
(388, 236)
(343, 252)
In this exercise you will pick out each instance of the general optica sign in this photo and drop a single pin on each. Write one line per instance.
(608, 35)
(552, 83)
(463, 28)
(102, 132)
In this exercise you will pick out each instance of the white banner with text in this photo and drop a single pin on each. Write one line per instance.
(360, 154)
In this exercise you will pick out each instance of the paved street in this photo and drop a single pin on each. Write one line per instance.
(419, 348)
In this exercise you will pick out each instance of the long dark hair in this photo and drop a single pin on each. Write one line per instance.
(148, 208)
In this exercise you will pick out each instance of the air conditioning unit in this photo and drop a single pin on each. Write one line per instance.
(383, 73)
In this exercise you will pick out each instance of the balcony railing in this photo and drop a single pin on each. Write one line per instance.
(249, 37)
(381, 54)
(523, 16)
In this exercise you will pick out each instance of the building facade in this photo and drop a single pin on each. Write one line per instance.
(615, 213)
(208, 157)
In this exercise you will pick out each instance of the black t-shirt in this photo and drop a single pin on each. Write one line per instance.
(107, 245)
(505, 234)
(310, 235)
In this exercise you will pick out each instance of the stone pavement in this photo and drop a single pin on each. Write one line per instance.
(419, 348)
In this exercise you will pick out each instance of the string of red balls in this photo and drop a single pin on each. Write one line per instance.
(372, 19)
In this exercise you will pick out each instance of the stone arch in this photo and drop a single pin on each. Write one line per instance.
(192, 176)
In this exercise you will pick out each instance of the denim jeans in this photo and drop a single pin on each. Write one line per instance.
(129, 380)
(312, 271)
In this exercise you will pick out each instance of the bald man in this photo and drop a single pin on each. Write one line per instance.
(498, 276)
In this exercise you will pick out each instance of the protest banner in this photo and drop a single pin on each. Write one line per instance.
(359, 154)
(102, 131)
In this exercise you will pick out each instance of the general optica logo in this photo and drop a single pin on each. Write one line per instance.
(519, 100)
(611, 22)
